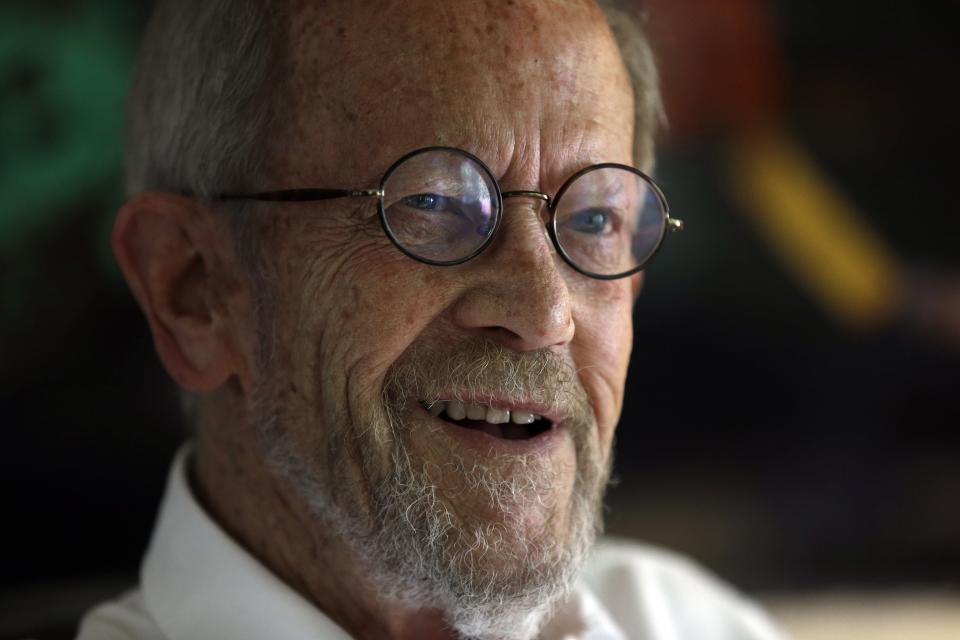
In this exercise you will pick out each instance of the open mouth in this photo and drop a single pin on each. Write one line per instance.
(506, 424)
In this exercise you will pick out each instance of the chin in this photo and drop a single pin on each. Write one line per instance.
(477, 529)
(492, 553)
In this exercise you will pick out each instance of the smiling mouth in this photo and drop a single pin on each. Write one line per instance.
(505, 424)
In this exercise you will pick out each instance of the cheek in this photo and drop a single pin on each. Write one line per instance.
(370, 307)
(384, 311)
(343, 303)
(601, 351)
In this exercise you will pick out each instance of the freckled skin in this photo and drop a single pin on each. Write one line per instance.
(535, 89)
(525, 99)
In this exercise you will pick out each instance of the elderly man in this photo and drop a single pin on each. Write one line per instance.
(389, 250)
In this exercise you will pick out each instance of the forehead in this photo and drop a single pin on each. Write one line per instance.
(518, 82)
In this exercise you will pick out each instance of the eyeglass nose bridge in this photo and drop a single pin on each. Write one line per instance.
(548, 201)
(539, 195)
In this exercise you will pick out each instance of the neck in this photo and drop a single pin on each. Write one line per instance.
(263, 513)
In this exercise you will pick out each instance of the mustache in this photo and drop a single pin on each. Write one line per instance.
(482, 371)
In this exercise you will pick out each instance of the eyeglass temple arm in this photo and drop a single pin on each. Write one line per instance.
(674, 224)
(303, 195)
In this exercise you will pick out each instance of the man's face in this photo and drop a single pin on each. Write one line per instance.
(359, 339)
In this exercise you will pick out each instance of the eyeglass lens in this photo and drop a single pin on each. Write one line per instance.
(442, 206)
(609, 221)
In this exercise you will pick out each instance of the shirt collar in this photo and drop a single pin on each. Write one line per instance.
(199, 583)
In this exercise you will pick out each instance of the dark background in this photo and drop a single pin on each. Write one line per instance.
(764, 435)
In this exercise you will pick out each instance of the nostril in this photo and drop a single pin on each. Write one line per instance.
(502, 335)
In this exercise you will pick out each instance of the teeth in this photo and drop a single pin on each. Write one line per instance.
(456, 410)
(497, 416)
(521, 417)
(477, 412)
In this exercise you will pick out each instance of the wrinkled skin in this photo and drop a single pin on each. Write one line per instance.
(535, 89)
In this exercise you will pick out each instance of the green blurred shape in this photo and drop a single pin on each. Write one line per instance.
(64, 74)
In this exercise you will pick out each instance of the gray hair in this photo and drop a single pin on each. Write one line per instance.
(629, 28)
(202, 100)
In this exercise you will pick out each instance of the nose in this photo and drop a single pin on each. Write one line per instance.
(516, 293)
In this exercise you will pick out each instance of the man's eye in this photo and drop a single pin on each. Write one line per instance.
(455, 214)
(427, 202)
(592, 221)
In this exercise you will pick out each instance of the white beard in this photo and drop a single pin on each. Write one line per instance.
(491, 579)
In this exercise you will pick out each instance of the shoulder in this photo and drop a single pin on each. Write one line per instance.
(651, 592)
(125, 618)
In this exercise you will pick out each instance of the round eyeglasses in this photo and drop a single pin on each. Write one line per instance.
(442, 206)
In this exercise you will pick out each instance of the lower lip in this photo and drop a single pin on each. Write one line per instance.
(542, 443)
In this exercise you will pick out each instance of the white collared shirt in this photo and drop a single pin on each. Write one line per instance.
(196, 583)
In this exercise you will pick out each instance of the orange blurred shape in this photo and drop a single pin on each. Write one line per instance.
(815, 231)
(720, 64)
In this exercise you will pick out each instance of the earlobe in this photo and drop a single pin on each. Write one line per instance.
(167, 251)
(636, 284)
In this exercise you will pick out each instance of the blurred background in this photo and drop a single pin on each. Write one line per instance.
(792, 419)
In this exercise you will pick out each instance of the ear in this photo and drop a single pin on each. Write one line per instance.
(169, 251)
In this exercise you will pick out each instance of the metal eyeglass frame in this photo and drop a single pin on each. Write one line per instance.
(317, 194)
